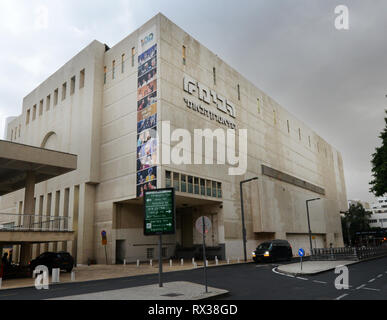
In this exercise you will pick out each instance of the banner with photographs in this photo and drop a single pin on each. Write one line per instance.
(146, 178)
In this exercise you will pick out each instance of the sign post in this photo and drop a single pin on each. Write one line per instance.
(203, 225)
(104, 243)
(301, 253)
(159, 217)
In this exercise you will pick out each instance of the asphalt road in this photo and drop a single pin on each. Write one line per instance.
(367, 280)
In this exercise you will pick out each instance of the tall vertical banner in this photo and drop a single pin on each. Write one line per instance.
(147, 113)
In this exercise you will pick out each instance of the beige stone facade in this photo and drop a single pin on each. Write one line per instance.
(89, 108)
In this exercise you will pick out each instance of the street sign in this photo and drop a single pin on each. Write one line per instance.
(301, 252)
(199, 225)
(159, 212)
(104, 238)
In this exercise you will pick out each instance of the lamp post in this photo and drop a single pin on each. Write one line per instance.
(243, 216)
(310, 231)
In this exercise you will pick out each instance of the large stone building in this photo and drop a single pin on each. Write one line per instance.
(107, 106)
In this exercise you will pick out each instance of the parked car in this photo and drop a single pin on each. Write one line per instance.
(274, 250)
(53, 260)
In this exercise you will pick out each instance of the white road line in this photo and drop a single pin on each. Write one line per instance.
(302, 278)
(372, 280)
(282, 274)
(341, 297)
(361, 287)
(322, 282)
(371, 289)
(380, 275)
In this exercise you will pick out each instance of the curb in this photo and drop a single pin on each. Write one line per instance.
(330, 269)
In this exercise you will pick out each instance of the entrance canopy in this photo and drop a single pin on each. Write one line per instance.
(16, 160)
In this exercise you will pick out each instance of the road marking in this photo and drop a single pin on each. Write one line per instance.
(371, 289)
(372, 280)
(361, 287)
(8, 295)
(302, 278)
(341, 297)
(322, 282)
(380, 275)
(282, 274)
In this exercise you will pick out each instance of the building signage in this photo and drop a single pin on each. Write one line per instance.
(209, 96)
(159, 212)
(146, 178)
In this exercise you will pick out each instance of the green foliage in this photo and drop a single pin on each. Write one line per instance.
(358, 218)
(379, 166)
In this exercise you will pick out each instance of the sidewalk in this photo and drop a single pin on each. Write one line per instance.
(312, 267)
(170, 291)
(85, 273)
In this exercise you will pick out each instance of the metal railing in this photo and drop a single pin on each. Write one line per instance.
(335, 254)
(25, 222)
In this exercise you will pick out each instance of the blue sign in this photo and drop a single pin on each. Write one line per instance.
(301, 252)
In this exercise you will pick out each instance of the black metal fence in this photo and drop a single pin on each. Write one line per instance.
(337, 254)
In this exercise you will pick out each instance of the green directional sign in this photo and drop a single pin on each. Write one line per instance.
(159, 212)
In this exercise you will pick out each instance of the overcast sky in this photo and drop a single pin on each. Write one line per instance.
(334, 81)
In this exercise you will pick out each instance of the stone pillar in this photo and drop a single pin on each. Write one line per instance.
(25, 253)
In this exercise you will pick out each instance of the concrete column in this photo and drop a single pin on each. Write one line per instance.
(29, 209)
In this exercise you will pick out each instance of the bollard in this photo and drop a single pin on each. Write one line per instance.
(195, 265)
(124, 262)
(72, 275)
(239, 260)
(217, 261)
(228, 260)
(1, 282)
(182, 262)
(193, 261)
(138, 263)
(206, 263)
(151, 263)
(56, 275)
(170, 263)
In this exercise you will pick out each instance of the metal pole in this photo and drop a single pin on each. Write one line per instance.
(310, 231)
(160, 262)
(204, 254)
(243, 223)
(106, 255)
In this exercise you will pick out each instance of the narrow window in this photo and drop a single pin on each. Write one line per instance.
(239, 92)
(219, 190)
(288, 126)
(133, 55)
(209, 185)
(168, 182)
(64, 89)
(214, 185)
(34, 112)
(184, 55)
(40, 107)
(28, 116)
(56, 94)
(176, 184)
(196, 188)
(104, 75)
(48, 102)
(72, 86)
(190, 184)
(183, 183)
(82, 79)
(123, 63)
(202, 187)
(114, 69)
(214, 75)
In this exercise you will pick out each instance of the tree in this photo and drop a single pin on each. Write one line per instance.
(358, 219)
(379, 166)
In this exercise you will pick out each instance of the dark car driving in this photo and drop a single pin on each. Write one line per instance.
(274, 250)
(53, 260)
